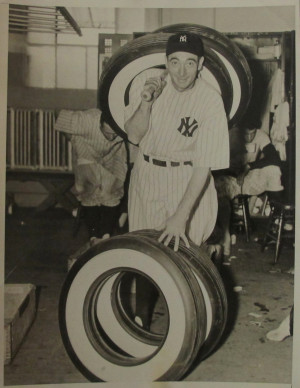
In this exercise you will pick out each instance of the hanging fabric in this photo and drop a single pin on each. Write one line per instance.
(279, 131)
(275, 96)
(278, 92)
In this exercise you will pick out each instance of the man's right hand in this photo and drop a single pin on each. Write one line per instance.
(153, 88)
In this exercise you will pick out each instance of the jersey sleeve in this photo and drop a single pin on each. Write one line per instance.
(76, 122)
(116, 161)
(212, 146)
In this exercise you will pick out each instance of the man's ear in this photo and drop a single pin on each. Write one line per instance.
(200, 64)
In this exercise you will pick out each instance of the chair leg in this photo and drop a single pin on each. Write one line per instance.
(268, 229)
(246, 216)
(264, 204)
(278, 240)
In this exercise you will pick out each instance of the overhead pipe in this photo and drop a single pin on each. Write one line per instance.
(20, 29)
(23, 18)
(70, 19)
(31, 13)
(41, 25)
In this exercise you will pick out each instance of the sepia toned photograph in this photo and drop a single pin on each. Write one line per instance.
(149, 193)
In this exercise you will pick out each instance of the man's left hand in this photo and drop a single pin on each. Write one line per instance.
(173, 227)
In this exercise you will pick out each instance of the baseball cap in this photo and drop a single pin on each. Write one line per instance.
(185, 41)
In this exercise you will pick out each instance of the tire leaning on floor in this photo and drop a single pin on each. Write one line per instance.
(95, 341)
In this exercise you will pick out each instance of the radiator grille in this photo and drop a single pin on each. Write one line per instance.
(32, 142)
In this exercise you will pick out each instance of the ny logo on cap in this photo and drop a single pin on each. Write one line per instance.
(182, 38)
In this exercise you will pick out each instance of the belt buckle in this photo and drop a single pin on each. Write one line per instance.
(149, 159)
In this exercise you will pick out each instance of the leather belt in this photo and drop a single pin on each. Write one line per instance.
(164, 163)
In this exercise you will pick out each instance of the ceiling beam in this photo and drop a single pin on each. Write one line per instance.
(70, 19)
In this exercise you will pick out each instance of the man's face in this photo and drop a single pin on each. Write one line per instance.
(108, 132)
(183, 69)
(249, 135)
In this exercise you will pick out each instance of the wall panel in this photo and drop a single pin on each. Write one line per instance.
(71, 67)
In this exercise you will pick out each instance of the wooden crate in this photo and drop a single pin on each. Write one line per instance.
(19, 314)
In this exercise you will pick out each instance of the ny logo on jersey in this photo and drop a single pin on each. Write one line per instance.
(187, 129)
(182, 38)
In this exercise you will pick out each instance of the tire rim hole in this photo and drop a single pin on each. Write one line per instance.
(126, 304)
(100, 336)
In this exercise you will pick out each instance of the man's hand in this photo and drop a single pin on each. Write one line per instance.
(173, 227)
(153, 88)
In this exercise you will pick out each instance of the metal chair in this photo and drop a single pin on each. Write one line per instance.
(244, 221)
(281, 226)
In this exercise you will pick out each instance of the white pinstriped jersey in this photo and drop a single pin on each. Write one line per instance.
(184, 126)
(100, 165)
(189, 125)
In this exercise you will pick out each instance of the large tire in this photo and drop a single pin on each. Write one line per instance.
(212, 288)
(141, 54)
(225, 68)
(233, 59)
(99, 347)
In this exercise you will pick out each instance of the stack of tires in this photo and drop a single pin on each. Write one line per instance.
(97, 324)
(225, 68)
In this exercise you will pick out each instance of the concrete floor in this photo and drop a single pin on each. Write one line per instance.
(37, 249)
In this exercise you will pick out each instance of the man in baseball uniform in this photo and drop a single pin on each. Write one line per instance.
(179, 122)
